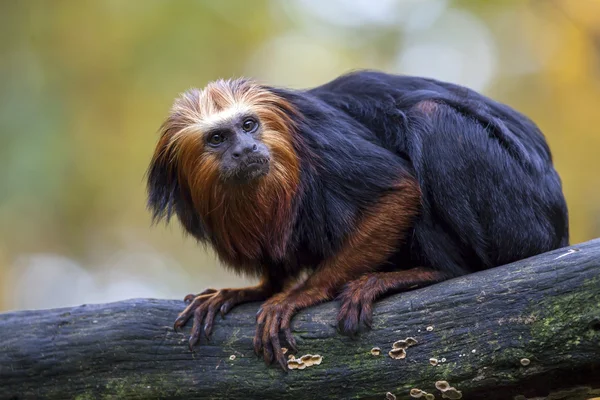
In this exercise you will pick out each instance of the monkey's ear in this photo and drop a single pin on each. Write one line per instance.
(162, 183)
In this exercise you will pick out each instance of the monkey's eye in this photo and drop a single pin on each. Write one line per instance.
(216, 139)
(249, 125)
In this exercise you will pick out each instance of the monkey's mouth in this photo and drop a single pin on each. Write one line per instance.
(252, 168)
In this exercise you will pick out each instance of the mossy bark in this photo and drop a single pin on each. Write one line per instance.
(545, 309)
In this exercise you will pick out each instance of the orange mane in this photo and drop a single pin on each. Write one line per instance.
(244, 222)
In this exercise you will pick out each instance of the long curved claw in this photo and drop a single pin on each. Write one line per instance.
(257, 341)
(289, 338)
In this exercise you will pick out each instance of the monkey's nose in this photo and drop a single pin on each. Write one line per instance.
(242, 150)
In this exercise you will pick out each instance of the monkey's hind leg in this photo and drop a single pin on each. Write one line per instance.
(358, 295)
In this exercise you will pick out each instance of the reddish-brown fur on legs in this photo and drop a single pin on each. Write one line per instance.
(359, 295)
(380, 231)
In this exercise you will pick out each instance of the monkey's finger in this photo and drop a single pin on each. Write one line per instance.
(261, 317)
(289, 338)
(267, 344)
(194, 335)
(267, 353)
(366, 314)
(274, 335)
(180, 321)
(197, 327)
(187, 313)
(287, 331)
(209, 320)
(282, 361)
(257, 341)
(260, 314)
(183, 317)
(191, 296)
(341, 317)
(274, 339)
(226, 307)
(348, 318)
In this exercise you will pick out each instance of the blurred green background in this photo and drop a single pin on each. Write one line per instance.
(84, 85)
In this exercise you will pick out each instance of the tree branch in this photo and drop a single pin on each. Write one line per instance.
(545, 309)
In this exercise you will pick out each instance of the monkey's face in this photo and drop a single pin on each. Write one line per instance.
(235, 144)
(230, 135)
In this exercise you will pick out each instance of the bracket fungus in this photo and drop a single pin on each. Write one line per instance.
(295, 364)
(311, 360)
(397, 354)
(404, 344)
(305, 361)
(418, 393)
(399, 347)
(448, 392)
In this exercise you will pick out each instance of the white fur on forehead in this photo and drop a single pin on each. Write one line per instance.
(230, 113)
(218, 102)
(197, 111)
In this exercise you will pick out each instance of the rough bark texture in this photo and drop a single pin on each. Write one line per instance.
(545, 309)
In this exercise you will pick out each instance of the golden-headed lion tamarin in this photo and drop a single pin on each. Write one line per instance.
(371, 184)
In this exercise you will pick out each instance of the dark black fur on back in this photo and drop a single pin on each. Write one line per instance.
(490, 193)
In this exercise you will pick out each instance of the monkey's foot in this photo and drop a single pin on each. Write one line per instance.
(357, 305)
(272, 318)
(205, 306)
(359, 295)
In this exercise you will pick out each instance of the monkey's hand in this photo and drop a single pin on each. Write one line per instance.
(274, 316)
(205, 306)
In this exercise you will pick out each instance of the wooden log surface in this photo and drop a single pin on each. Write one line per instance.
(479, 327)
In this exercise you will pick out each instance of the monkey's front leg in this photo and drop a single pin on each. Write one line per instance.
(375, 238)
(205, 305)
(276, 313)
